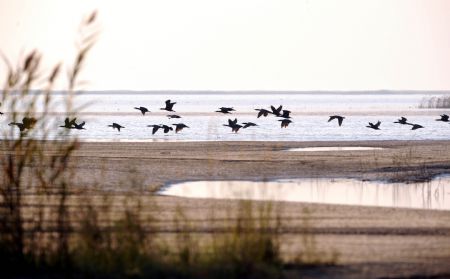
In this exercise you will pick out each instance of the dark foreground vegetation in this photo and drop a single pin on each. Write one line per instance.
(48, 228)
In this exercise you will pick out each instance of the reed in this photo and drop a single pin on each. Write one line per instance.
(51, 228)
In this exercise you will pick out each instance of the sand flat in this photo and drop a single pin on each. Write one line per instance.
(371, 241)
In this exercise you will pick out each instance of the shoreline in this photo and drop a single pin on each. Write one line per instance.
(371, 241)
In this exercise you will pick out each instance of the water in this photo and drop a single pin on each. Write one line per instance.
(309, 111)
(333, 148)
(430, 195)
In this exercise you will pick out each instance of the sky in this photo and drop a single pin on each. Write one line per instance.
(240, 44)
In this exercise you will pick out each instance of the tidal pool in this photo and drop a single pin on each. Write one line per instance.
(430, 195)
(333, 148)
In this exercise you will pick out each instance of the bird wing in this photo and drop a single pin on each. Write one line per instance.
(261, 112)
(378, 123)
(155, 129)
(340, 119)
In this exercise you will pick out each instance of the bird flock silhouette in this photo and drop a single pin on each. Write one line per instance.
(284, 115)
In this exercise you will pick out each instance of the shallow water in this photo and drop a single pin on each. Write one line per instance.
(431, 195)
(333, 148)
(310, 113)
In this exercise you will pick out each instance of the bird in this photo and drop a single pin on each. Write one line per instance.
(416, 126)
(169, 106)
(116, 126)
(284, 122)
(444, 118)
(225, 110)
(79, 126)
(232, 122)
(166, 128)
(170, 116)
(1, 113)
(248, 124)
(155, 128)
(233, 125)
(18, 124)
(338, 117)
(142, 109)
(402, 121)
(262, 112)
(276, 111)
(285, 114)
(179, 127)
(68, 124)
(375, 126)
(27, 123)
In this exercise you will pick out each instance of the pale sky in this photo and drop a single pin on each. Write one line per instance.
(242, 44)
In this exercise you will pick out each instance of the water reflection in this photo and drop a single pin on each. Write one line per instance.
(334, 148)
(430, 195)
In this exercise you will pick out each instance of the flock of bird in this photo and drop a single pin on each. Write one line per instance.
(29, 122)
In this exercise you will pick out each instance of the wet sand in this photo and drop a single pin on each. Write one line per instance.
(371, 241)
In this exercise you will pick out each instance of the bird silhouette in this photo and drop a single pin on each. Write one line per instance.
(225, 110)
(179, 127)
(248, 124)
(416, 126)
(444, 118)
(166, 128)
(169, 106)
(170, 116)
(79, 126)
(338, 117)
(284, 122)
(262, 112)
(29, 122)
(276, 111)
(68, 124)
(142, 109)
(375, 126)
(233, 125)
(402, 121)
(19, 125)
(285, 114)
(116, 126)
(155, 128)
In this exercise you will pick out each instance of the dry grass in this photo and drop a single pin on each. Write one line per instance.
(50, 229)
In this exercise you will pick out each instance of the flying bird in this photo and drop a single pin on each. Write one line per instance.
(116, 126)
(276, 111)
(179, 127)
(284, 122)
(444, 118)
(285, 114)
(170, 116)
(155, 128)
(338, 117)
(79, 126)
(225, 110)
(68, 124)
(166, 128)
(248, 124)
(402, 121)
(262, 112)
(233, 125)
(169, 106)
(416, 126)
(375, 126)
(142, 109)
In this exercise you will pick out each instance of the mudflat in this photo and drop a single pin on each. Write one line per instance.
(369, 241)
